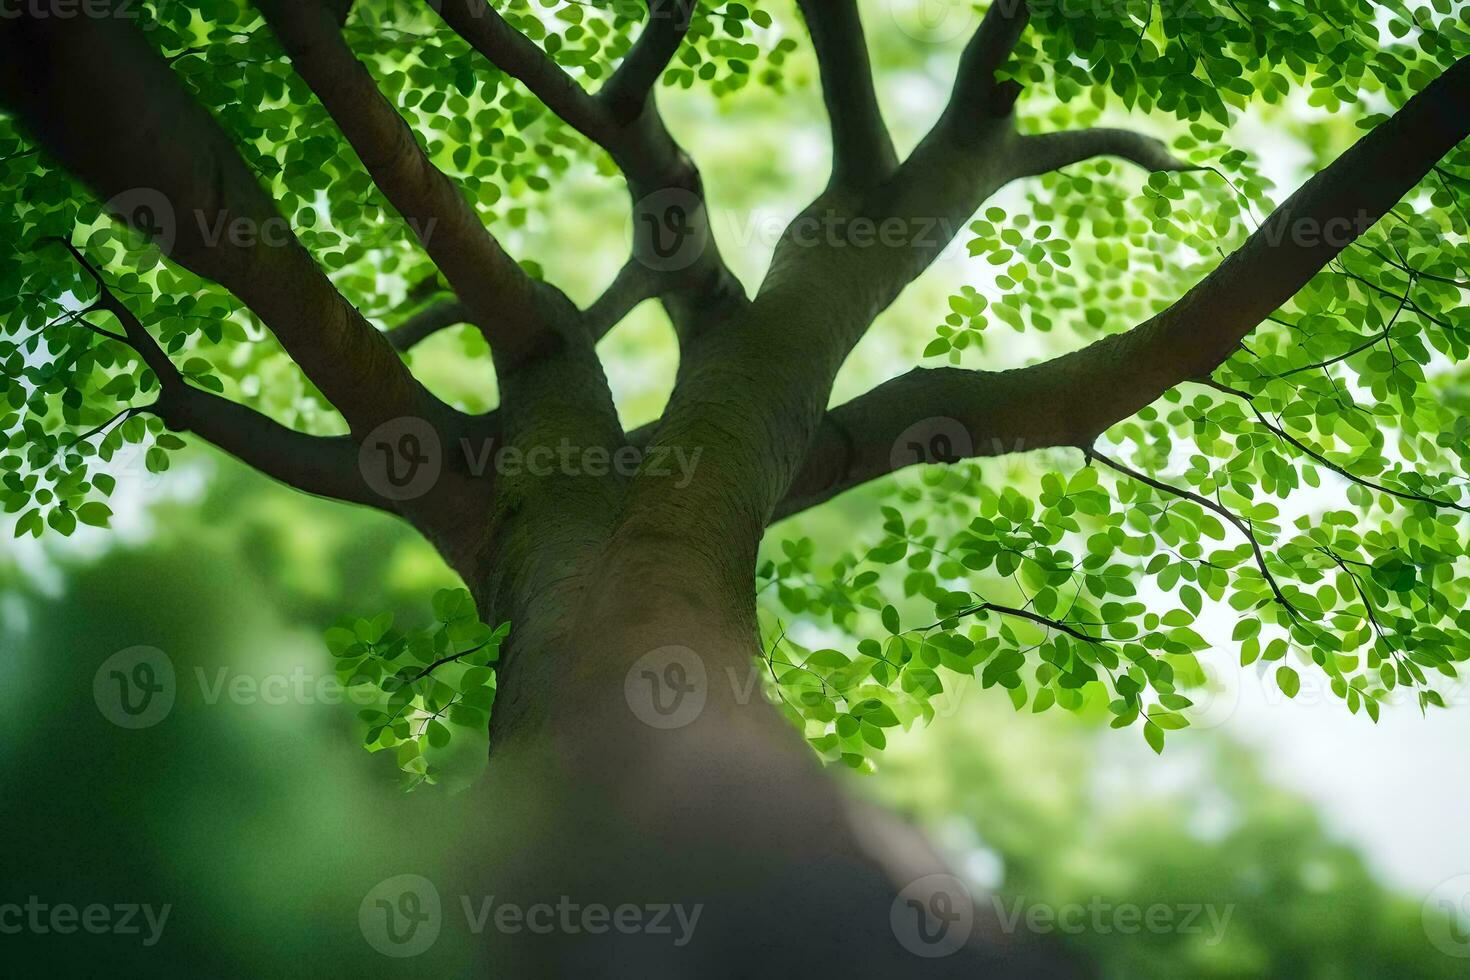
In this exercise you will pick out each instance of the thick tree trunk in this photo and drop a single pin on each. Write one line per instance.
(636, 763)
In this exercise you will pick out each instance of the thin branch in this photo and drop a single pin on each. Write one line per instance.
(505, 301)
(326, 467)
(1033, 617)
(427, 322)
(862, 150)
(134, 334)
(102, 125)
(1050, 151)
(626, 93)
(482, 26)
(1205, 502)
(1302, 447)
(633, 284)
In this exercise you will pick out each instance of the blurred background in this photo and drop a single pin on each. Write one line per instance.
(1274, 838)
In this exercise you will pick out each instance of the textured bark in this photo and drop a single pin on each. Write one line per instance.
(730, 812)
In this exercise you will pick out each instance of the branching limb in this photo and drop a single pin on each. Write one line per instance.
(1070, 400)
(426, 322)
(633, 284)
(1225, 512)
(977, 93)
(862, 151)
(326, 467)
(696, 286)
(104, 123)
(506, 303)
(485, 30)
(1337, 468)
(626, 93)
(1034, 155)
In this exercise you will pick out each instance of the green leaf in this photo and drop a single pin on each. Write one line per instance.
(1288, 680)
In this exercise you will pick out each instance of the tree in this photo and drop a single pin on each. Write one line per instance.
(612, 575)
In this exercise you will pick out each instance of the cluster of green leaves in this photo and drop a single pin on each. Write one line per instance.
(1351, 395)
(70, 422)
(1214, 58)
(425, 684)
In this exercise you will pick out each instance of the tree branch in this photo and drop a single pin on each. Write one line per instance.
(326, 467)
(977, 95)
(1337, 468)
(862, 151)
(1070, 400)
(1240, 525)
(485, 30)
(696, 286)
(633, 284)
(507, 304)
(626, 93)
(107, 107)
(427, 322)
(1040, 154)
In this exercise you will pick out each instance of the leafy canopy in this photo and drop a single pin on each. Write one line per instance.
(1310, 496)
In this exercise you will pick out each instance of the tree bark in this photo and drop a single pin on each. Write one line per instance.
(717, 804)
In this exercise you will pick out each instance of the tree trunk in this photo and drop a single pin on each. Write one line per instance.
(635, 761)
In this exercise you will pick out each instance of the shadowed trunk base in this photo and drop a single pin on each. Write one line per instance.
(708, 841)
